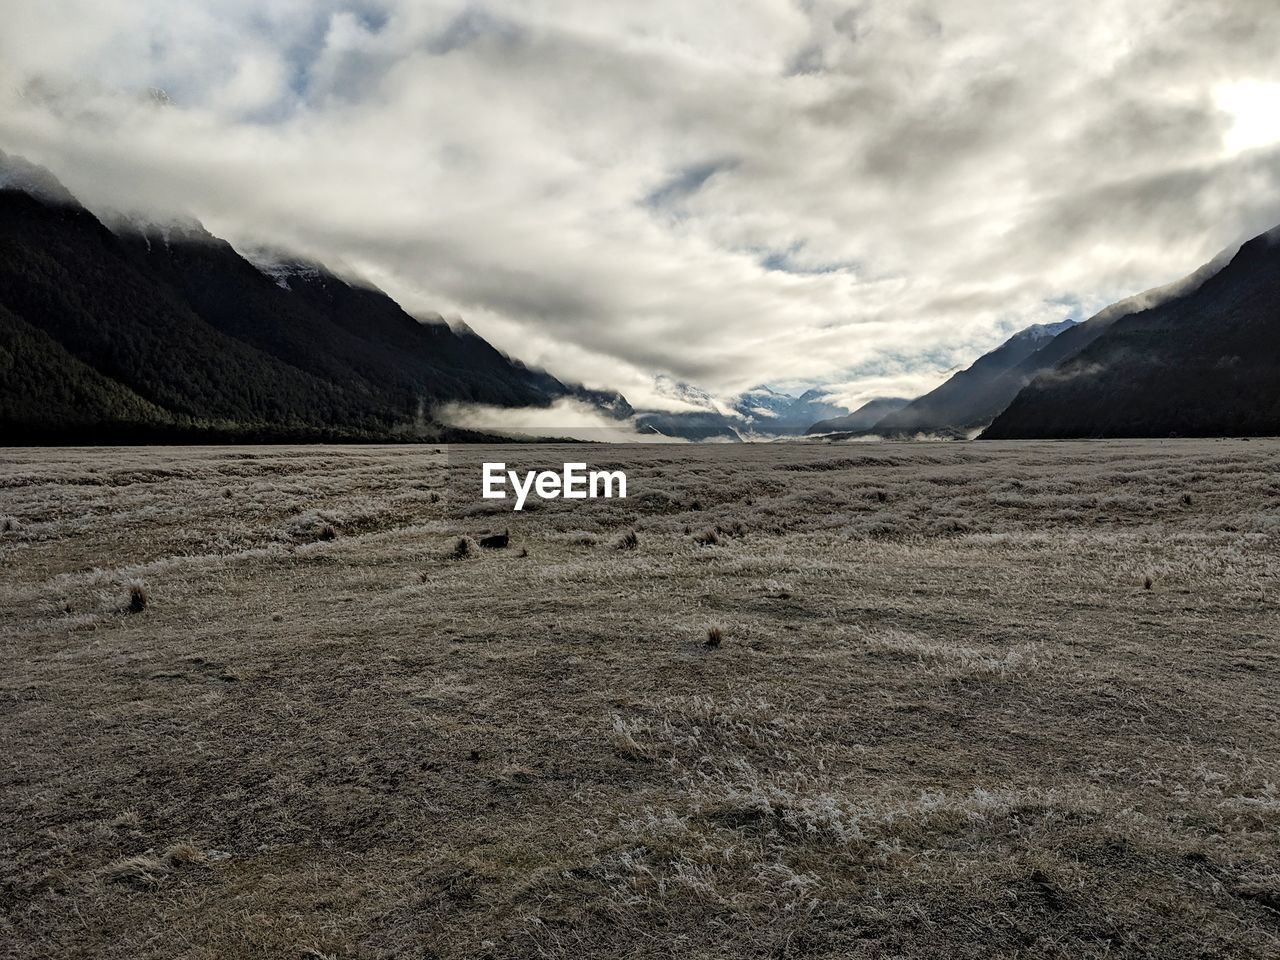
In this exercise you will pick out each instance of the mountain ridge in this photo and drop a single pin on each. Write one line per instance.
(971, 398)
(863, 419)
(758, 412)
(155, 331)
(1198, 357)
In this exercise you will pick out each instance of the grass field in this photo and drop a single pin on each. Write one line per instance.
(967, 700)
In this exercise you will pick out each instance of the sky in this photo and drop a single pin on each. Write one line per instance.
(858, 196)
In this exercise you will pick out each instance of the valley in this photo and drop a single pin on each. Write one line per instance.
(910, 700)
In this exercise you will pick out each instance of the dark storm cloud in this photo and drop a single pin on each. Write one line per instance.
(861, 194)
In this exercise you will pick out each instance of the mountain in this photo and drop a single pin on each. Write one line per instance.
(20, 174)
(688, 425)
(861, 420)
(770, 413)
(1070, 342)
(695, 415)
(154, 332)
(41, 381)
(758, 412)
(1200, 357)
(762, 403)
(970, 399)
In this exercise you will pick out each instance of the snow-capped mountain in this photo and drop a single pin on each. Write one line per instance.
(762, 402)
(758, 412)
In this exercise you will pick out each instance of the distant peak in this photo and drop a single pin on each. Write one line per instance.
(165, 230)
(1040, 331)
(19, 173)
(280, 265)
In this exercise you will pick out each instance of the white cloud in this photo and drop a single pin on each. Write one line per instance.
(793, 193)
(1254, 108)
(565, 419)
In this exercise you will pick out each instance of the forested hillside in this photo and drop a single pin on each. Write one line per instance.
(145, 332)
(1204, 363)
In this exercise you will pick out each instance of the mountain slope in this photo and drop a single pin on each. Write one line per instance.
(694, 415)
(65, 274)
(695, 425)
(1075, 339)
(770, 413)
(47, 391)
(354, 336)
(972, 398)
(1204, 361)
(809, 407)
(167, 331)
(763, 403)
(861, 420)
(758, 412)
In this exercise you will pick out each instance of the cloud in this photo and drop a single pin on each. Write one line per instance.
(862, 196)
(565, 419)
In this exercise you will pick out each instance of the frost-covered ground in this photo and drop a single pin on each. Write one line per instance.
(968, 700)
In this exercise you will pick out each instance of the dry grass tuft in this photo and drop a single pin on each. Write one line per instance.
(141, 871)
(715, 637)
(732, 528)
(149, 869)
(139, 597)
(1264, 890)
(622, 737)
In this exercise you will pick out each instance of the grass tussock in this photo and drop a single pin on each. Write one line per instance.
(622, 737)
(150, 870)
(959, 660)
(732, 528)
(139, 597)
(714, 637)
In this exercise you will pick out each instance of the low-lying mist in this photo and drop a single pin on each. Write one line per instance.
(566, 418)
